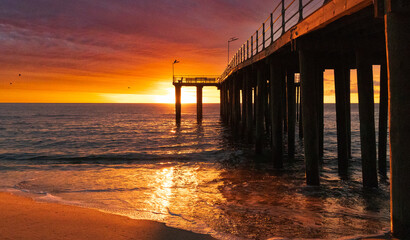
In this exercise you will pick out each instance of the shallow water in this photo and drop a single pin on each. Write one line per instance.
(131, 159)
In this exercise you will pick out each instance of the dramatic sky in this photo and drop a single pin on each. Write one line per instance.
(117, 50)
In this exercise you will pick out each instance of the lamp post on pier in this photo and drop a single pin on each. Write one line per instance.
(229, 41)
(173, 76)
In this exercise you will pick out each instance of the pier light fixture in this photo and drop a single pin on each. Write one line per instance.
(229, 41)
(173, 76)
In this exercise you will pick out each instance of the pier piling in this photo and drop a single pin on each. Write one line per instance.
(310, 108)
(237, 100)
(199, 104)
(348, 115)
(290, 81)
(320, 112)
(342, 74)
(397, 23)
(243, 105)
(178, 104)
(249, 105)
(277, 78)
(366, 116)
(259, 108)
(383, 115)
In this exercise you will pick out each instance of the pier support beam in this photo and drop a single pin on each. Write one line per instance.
(300, 120)
(226, 101)
(267, 102)
(309, 85)
(259, 107)
(397, 23)
(244, 100)
(366, 116)
(221, 102)
(249, 104)
(277, 78)
(178, 104)
(284, 107)
(237, 100)
(348, 116)
(342, 74)
(199, 104)
(383, 115)
(290, 81)
(320, 112)
(231, 102)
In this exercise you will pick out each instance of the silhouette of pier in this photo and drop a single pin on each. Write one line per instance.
(302, 38)
(192, 81)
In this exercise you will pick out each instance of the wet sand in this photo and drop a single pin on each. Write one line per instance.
(23, 218)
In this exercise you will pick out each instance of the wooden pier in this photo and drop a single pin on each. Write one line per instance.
(192, 81)
(302, 39)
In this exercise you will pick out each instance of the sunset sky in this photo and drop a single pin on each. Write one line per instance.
(119, 50)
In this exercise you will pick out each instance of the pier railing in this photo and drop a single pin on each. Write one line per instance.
(194, 79)
(286, 14)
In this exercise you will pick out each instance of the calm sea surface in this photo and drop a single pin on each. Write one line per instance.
(132, 160)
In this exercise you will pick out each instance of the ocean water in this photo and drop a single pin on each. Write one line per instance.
(132, 160)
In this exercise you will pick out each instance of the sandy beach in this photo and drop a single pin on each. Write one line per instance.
(23, 218)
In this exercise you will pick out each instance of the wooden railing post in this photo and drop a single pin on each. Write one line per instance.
(283, 16)
(243, 52)
(251, 46)
(237, 58)
(300, 10)
(257, 41)
(241, 58)
(263, 36)
(271, 28)
(247, 49)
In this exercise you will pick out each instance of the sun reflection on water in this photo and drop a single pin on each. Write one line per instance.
(162, 183)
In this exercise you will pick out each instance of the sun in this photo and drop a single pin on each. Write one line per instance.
(188, 95)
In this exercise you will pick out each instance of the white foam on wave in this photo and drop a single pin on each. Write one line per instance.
(41, 196)
(55, 199)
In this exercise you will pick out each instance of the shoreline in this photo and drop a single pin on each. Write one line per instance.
(24, 218)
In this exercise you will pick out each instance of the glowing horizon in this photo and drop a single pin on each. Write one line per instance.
(120, 52)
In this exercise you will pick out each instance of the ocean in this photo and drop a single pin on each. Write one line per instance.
(133, 160)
